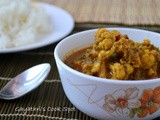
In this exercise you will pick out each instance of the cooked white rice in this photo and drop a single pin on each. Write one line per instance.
(20, 22)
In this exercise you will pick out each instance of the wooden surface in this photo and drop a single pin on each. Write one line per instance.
(130, 12)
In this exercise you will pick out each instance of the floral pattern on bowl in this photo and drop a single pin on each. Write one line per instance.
(128, 103)
(125, 103)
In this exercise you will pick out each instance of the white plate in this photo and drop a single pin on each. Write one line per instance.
(62, 24)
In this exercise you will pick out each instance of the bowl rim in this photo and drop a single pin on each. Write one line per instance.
(98, 79)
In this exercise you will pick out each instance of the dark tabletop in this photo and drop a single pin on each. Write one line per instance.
(48, 101)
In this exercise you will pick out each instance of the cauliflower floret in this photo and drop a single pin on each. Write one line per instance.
(106, 44)
(146, 42)
(148, 60)
(129, 69)
(115, 32)
(102, 55)
(118, 71)
(152, 72)
(104, 39)
(95, 67)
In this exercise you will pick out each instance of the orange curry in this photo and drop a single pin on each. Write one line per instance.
(115, 56)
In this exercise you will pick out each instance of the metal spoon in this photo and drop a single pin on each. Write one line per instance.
(25, 82)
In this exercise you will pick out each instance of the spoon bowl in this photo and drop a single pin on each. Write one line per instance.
(25, 82)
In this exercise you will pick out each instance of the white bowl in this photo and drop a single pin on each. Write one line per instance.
(99, 97)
